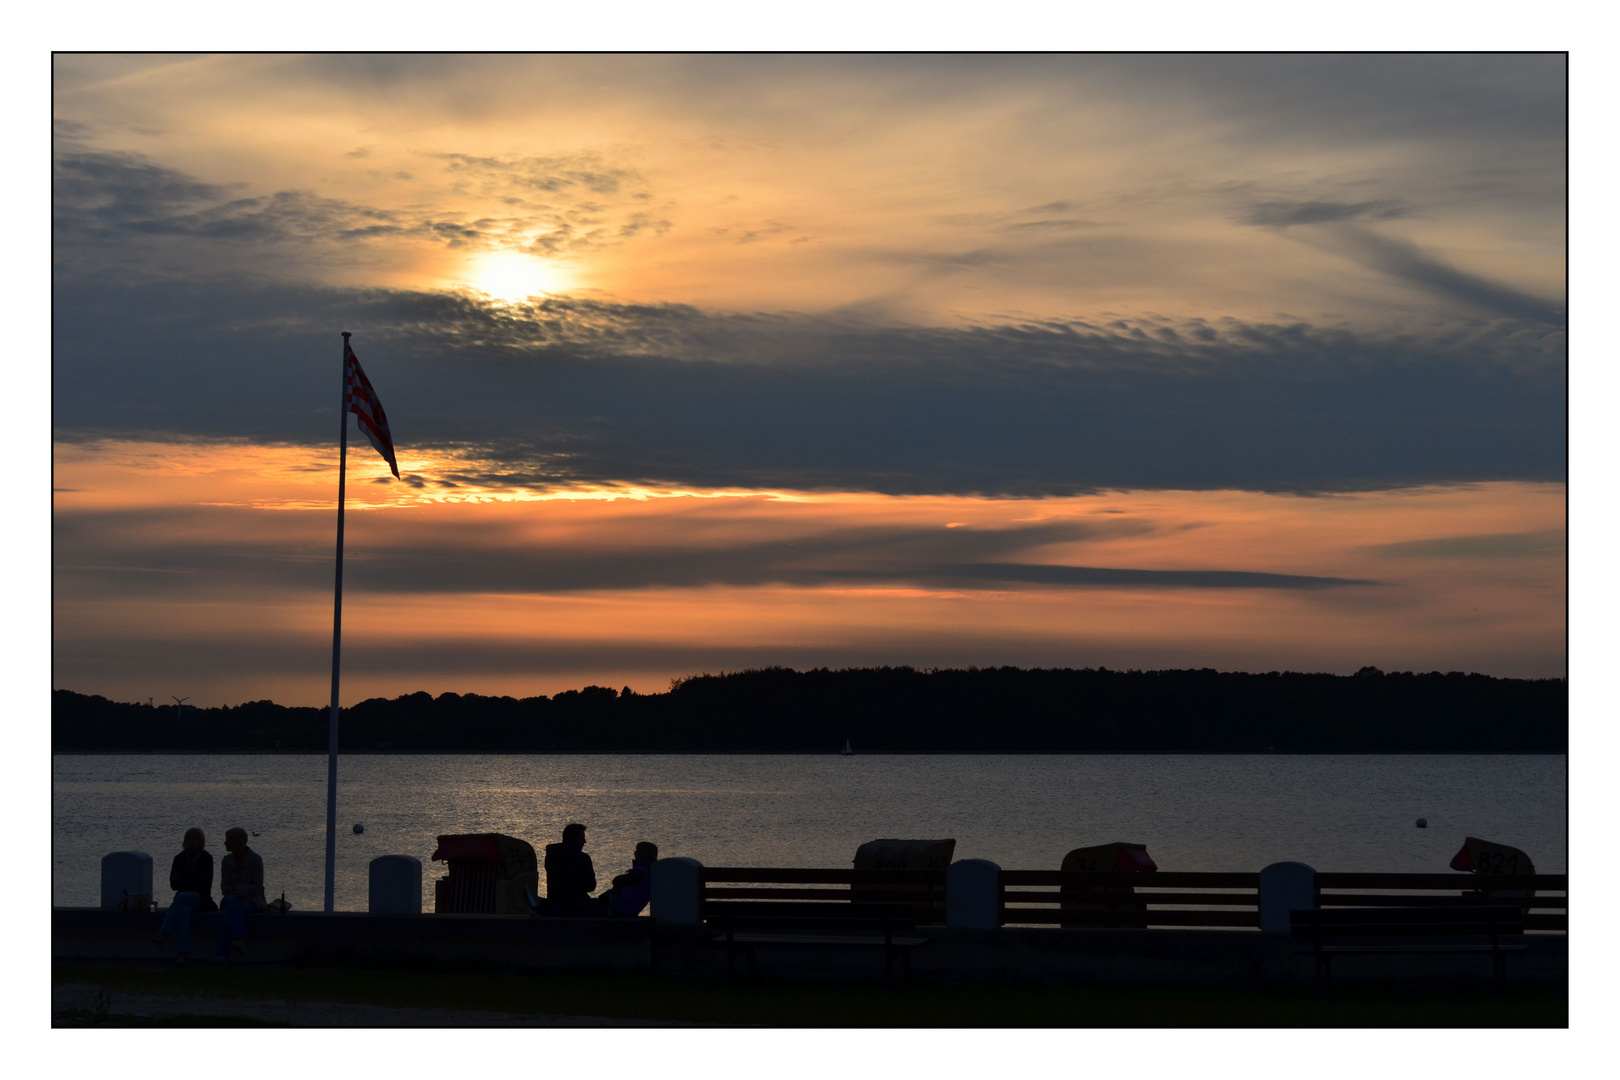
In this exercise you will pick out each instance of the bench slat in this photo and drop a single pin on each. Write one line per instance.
(1456, 915)
(1411, 900)
(1093, 917)
(1193, 899)
(781, 875)
(1553, 882)
(1346, 950)
(825, 939)
(745, 892)
(1158, 879)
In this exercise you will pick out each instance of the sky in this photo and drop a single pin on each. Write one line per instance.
(700, 363)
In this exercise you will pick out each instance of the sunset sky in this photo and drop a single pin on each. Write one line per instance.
(701, 363)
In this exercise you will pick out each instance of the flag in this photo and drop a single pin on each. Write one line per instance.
(362, 401)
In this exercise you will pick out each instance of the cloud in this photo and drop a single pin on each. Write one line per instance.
(1435, 100)
(1409, 263)
(1405, 262)
(1282, 213)
(1533, 545)
(106, 553)
(1114, 577)
(104, 194)
(113, 206)
(571, 391)
(1418, 98)
(550, 175)
(1058, 216)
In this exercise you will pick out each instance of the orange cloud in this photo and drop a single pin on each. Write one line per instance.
(209, 567)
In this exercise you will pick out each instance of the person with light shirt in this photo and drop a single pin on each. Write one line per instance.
(241, 888)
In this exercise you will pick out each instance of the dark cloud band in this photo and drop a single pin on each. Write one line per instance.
(569, 392)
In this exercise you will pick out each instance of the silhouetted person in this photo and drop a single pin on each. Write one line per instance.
(241, 890)
(569, 874)
(192, 879)
(633, 888)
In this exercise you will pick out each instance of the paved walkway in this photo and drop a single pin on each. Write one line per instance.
(73, 1004)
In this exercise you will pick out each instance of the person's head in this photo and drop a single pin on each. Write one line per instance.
(646, 852)
(574, 833)
(235, 840)
(194, 840)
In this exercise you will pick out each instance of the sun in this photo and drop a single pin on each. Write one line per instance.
(513, 276)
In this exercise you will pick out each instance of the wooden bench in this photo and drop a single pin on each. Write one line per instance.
(1471, 928)
(744, 924)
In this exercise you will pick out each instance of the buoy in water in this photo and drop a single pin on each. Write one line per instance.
(1423, 823)
(359, 828)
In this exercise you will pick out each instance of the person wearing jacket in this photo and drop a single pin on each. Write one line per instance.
(570, 877)
(632, 889)
(192, 878)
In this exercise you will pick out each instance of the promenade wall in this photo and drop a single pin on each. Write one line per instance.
(1025, 954)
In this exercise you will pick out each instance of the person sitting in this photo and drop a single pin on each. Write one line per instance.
(632, 889)
(569, 874)
(192, 879)
(241, 889)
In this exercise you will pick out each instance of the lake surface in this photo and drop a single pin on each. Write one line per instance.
(1228, 812)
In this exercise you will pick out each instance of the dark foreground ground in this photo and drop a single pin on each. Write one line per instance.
(144, 995)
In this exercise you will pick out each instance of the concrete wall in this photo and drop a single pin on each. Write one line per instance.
(507, 940)
(1037, 954)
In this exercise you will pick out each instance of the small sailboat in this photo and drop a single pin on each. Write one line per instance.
(846, 751)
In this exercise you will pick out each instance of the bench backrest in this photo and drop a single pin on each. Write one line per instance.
(1470, 920)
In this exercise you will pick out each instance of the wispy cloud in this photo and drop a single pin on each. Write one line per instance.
(1282, 213)
(1411, 264)
(111, 203)
(1532, 545)
(100, 550)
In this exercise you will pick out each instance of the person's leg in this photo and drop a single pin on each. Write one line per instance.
(232, 922)
(185, 905)
(594, 907)
(177, 920)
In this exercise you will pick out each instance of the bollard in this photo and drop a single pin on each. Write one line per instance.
(677, 890)
(1285, 887)
(126, 881)
(396, 885)
(973, 894)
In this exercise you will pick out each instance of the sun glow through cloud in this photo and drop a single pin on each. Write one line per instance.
(513, 276)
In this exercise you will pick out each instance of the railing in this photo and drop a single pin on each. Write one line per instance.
(924, 889)
(1217, 899)
(1543, 911)
(1187, 899)
(1164, 898)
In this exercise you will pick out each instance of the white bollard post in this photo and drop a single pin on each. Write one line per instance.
(126, 881)
(1285, 887)
(396, 885)
(677, 890)
(973, 894)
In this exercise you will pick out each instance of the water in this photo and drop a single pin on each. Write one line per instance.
(1337, 813)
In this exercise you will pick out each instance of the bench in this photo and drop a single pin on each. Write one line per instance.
(744, 924)
(1474, 928)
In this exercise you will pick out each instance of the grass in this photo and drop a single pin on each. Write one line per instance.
(81, 1018)
(796, 1004)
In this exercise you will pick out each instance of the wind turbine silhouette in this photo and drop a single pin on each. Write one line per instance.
(178, 702)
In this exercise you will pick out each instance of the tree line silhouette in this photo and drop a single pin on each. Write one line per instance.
(887, 710)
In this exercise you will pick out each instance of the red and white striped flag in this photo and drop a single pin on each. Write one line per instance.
(363, 403)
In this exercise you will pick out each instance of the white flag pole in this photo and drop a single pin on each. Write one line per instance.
(337, 640)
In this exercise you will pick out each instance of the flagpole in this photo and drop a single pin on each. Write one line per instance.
(337, 640)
